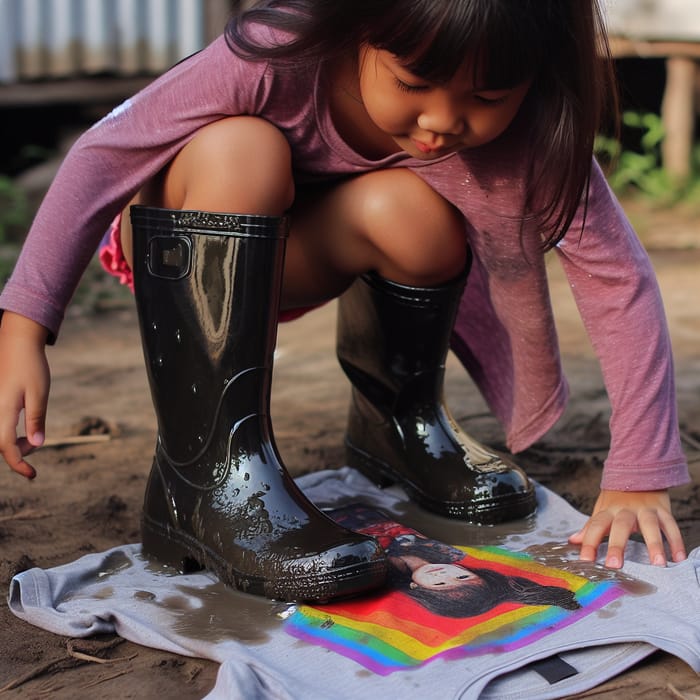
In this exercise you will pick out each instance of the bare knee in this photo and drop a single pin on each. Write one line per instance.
(419, 235)
(240, 165)
(237, 164)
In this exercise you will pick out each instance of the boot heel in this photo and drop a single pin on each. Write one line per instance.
(158, 544)
(374, 470)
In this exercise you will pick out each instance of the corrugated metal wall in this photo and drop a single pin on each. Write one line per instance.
(42, 39)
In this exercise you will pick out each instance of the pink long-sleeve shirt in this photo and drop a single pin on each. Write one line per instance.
(504, 334)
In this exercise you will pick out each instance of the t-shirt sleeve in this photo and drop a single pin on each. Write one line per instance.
(110, 163)
(618, 297)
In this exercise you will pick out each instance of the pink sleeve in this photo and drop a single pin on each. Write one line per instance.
(110, 163)
(619, 301)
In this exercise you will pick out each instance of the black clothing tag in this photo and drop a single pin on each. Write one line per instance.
(553, 669)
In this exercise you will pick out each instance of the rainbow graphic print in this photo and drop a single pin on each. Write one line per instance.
(520, 602)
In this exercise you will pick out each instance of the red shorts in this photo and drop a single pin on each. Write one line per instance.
(113, 260)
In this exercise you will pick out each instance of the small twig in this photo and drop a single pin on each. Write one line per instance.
(98, 659)
(25, 515)
(31, 675)
(97, 681)
(675, 693)
(91, 658)
(76, 440)
(74, 658)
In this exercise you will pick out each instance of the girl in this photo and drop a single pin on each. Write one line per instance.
(421, 154)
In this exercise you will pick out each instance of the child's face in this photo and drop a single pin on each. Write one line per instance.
(443, 577)
(428, 120)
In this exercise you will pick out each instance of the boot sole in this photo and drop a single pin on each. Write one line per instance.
(183, 552)
(484, 512)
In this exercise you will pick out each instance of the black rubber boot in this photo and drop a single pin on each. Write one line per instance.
(207, 291)
(392, 343)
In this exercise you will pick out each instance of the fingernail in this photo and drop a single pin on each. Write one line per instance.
(38, 438)
(613, 562)
(659, 560)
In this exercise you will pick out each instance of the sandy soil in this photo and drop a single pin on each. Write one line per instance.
(87, 497)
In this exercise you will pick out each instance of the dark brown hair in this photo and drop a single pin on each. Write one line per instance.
(561, 45)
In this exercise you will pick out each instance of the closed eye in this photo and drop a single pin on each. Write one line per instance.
(487, 100)
(407, 87)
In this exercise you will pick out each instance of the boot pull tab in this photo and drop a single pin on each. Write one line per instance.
(169, 257)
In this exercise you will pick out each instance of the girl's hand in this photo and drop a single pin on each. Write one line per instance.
(617, 514)
(24, 384)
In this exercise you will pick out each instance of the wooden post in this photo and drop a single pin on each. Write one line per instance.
(678, 115)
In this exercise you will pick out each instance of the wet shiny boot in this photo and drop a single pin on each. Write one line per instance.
(218, 497)
(392, 343)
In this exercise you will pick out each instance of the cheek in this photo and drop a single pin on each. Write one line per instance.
(387, 112)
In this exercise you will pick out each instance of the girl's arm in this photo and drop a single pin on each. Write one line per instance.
(619, 300)
(103, 170)
(24, 385)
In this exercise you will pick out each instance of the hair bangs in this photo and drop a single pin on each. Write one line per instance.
(437, 39)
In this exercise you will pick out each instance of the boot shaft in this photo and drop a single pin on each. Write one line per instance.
(391, 334)
(207, 289)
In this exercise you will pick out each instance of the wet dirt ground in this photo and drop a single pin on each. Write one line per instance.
(87, 496)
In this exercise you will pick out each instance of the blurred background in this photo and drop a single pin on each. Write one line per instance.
(65, 63)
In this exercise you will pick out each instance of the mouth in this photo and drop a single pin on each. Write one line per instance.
(432, 149)
(424, 147)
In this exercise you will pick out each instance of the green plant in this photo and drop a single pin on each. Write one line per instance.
(14, 210)
(642, 170)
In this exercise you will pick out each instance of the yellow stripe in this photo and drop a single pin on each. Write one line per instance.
(413, 647)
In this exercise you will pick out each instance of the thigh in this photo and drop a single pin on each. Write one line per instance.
(388, 221)
(238, 165)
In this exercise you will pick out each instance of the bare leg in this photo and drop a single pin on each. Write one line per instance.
(387, 221)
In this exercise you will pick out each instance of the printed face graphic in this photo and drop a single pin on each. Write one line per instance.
(443, 577)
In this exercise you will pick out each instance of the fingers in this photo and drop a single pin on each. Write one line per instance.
(670, 528)
(35, 418)
(24, 389)
(623, 525)
(14, 451)
(654, 524)
(617, 528)
(649, 526)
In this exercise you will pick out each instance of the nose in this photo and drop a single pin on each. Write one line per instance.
(442, 117)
